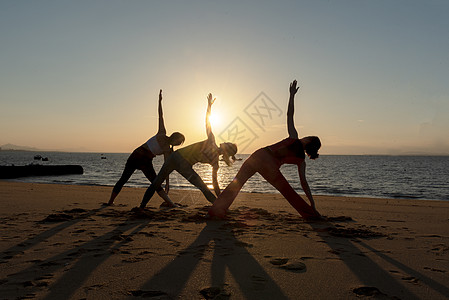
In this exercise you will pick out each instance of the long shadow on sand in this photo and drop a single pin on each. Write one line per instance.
(346, 241)
(68, 220)
(88, 256)
(229, 253)
(102, 247)
(412, 274)
(377, 281)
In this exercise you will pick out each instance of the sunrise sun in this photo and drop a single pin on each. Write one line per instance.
(215, 119)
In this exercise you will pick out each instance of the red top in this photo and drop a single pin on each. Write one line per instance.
(288, 151)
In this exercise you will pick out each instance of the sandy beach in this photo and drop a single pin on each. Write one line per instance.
(60, 242)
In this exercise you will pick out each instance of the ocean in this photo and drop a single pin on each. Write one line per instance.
(405, 177)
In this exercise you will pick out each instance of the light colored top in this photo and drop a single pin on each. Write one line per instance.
(154, 146)
(203, 152)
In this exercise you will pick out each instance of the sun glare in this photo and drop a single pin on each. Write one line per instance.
(215, 119)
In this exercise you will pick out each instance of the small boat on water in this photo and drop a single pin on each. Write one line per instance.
(9, 172)
(40, 157)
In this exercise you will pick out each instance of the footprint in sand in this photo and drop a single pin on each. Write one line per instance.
(439, 249)
(215, 292)
(411, 279)
(53, 218)
(368, 291)
(49, 264)
(75, 211)
(243, 244)
(258, 282)
(353, 233)
(66, 215)
(283, 263)
(435, 270)
(297, 267)
(338, 219)
(149, 294)
(279, 261)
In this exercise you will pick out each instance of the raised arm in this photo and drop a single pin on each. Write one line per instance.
(161, 129)
(291, 111)
(210, 135)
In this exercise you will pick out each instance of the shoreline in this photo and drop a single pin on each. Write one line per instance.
(58, 241)
(262, 193)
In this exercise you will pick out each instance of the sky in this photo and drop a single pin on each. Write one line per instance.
(85, 75)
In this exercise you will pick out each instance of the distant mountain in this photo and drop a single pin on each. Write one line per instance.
(15, 147)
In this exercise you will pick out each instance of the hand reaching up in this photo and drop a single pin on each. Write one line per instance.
(210, 100)
(293, 88)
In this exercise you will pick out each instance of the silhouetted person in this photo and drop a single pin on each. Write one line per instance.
(267, 162)
(183, 159)
(142, 157)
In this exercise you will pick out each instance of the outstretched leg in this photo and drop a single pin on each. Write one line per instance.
(150, 173)
(229, 194)
(196, 180)
(127, 172)
(166, 169)
(278, 180)
(186, 170)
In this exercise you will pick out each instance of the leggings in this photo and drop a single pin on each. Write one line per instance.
(263, 162)
(140, 159)
(176, 162)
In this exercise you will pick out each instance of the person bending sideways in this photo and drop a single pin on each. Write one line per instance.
(142, 157)
(267, 162)
(183, 159)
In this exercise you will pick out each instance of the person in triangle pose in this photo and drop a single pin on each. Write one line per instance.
(142, 157)
(183, 159)
(267, 162)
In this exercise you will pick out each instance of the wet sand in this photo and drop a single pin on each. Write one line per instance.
(60, 242)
